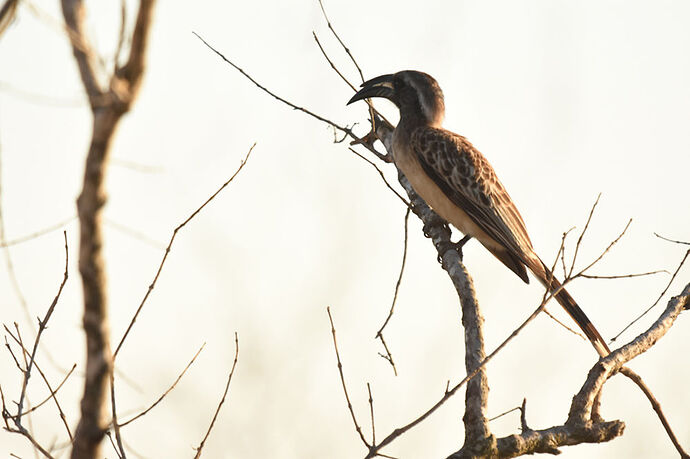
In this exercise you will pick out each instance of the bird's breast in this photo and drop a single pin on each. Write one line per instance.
(406, 160)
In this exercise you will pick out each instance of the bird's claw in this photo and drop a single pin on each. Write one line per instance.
(429, 225)
(449, 245)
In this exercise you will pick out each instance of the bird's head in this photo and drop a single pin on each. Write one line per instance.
(416, 94)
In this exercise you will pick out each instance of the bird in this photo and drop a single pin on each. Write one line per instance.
(460, 184)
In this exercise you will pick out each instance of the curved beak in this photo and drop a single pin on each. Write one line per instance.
(381, 86)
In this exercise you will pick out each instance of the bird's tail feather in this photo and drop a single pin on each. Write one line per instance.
(578, 315)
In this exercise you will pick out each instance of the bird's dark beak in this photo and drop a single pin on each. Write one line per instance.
(381, 86)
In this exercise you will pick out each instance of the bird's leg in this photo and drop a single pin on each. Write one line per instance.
(431, 223)
(457, 246)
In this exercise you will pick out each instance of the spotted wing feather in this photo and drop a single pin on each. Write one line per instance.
(469, 181)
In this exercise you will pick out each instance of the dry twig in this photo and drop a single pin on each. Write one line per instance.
(170, 243)
(342, 380)
(222, 400)
(172, 386)
(379, 334)
(29, 358)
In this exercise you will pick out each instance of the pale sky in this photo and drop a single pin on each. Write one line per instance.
(565, 99)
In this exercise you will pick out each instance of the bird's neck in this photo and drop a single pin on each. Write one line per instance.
(411, 120)
(409, 123)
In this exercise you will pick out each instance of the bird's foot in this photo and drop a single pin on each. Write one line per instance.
(426, 229)
(457, 246)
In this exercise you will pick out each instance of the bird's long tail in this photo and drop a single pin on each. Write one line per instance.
(578, 315)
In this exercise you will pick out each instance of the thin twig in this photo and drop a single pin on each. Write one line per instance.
(671, 240)
(523, 415)
(272, 94)
(27, 356)
(335, 69)
(19, 428)
(42, 324)
(39, 233)
(517, 408)
(342, 380)
(371, 410)
(136, 166)
(656, 406)
(582, 234)
(153, 405)
(170, 243)
(116, 448)
(39, 98)
(347, 50)
(388, 355)
(52, 392)
(342, 129)
(614, 242)
(625, 276)
(680, 265)
(555, 319)
(119, 446)
(222, 400)
(383, 177)
(372, 110)
(379, 334)
(7, 345)
(116, 425)
(134, 234)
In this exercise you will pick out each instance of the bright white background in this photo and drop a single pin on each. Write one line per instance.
(566, 100)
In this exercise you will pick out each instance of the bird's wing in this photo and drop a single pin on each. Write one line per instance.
(470, 182)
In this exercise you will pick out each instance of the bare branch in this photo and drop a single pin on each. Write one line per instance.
(330, 62)
(625, 276)
(582, 234)
(39, 233)
(118, 446)
(379, 334)
(371, 410)
(53, 393)
(108, 103)
(596, 260)
(134, 234)
(29, 358)
(343, 129)
(383, 177)
(555, 319)
(517, 408)
(656, 406)
(342, 380)
(582, 403)
(179, 377)
(671, 240)
(170, 243)
(668, 285)
(272, 94)
(222, 400)
(42, 324)
(347, 50)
